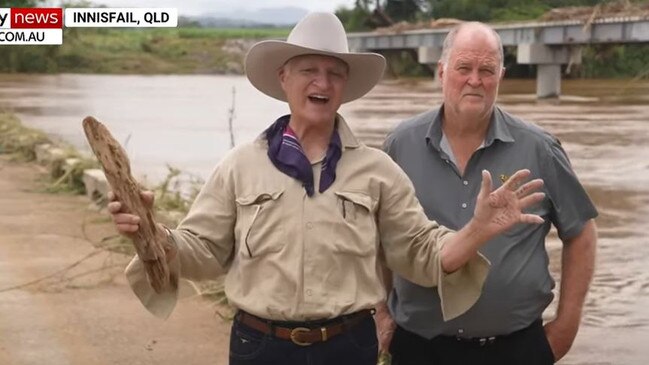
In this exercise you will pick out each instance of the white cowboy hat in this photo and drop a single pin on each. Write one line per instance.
(320, 34)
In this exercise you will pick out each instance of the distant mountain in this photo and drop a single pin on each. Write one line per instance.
(283, 16)
(210, 22)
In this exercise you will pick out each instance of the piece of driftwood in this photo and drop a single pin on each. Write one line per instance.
(148, 240)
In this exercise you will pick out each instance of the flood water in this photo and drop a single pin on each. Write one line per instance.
(182, 121)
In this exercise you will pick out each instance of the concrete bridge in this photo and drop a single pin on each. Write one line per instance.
(548, 45)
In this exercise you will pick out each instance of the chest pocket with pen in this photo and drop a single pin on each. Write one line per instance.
(259, 228)
(356, 233)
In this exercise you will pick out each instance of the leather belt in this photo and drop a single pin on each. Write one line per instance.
(304, 333)
(486, 341)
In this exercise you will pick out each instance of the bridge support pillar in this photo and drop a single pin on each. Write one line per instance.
(548, 60)
(429, 56)
(548, 81)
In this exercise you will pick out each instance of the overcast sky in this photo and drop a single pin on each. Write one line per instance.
(195, 7)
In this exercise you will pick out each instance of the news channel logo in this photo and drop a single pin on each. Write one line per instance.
(44, 26)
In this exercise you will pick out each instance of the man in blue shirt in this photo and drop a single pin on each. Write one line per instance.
(443, 151)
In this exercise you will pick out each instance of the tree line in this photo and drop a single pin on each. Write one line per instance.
(599, 61)
(371, 14)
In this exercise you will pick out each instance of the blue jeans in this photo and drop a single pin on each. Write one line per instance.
(356, 346)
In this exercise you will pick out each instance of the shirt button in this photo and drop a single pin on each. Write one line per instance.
(309, 225)
(464, 205)
(465, 182)
(309, 292)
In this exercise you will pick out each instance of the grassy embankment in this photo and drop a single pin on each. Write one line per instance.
(138, 51)
(19, 142)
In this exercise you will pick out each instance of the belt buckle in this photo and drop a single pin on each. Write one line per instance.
(487, 340)
(294, 333)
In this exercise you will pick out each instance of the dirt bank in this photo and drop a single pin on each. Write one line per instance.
(75, 317)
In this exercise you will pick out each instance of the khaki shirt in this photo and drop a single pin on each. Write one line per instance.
(288, 256)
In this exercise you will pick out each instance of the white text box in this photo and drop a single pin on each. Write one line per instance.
(5, 18)
(31, 37)
(121, 17)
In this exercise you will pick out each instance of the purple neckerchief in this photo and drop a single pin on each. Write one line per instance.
(286, 153)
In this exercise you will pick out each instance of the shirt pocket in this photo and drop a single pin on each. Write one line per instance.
(356, 226)
(259, 229)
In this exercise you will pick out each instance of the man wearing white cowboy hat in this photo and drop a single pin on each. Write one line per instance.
(296, 219)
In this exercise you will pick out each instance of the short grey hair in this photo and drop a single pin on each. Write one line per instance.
(450, 40)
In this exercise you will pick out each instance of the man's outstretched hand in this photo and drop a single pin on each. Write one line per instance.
(495, 212)
(498, 210)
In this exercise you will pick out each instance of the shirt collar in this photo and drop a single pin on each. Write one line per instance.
(498, 129)
(347, 137)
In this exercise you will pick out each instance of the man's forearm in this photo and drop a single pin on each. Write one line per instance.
(577, 267)
(461, 247)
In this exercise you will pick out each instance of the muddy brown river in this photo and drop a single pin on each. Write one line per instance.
(603, 125)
